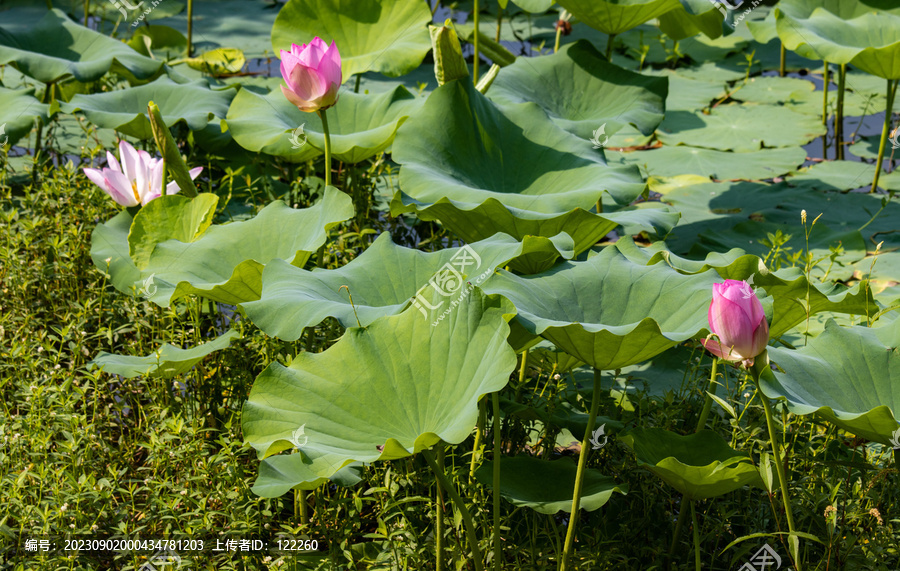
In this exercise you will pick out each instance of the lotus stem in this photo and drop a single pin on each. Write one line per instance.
(609, 46)
(839, 114)
(300, 508)
(327, 147)
(356, 87)
(782, 64)
(558, 36)
(479, 433)
(696, 536)
(825, 112)
(888, 114)
(190, 26)
(49, 4)
(460, 504)
(87, 10)
(499, 21)
(779, 468)
(439, 516)
(475, 44)
(497, 425)
(579, 474)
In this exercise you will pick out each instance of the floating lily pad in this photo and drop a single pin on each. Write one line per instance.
(581, 91)
(547, 486)
(385, 391)
(772, 90)
(167, 361)
(700, 465)
(373, 35)
(678, 160)
(57, 47)
(849, 376)
(125, 110)
(382, 281)
(834, 175)
(361, 125)
(740, 128)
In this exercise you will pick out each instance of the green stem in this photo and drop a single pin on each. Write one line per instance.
(300, 508)
(497, 426)
(579, 474)
(781, 66)
(558, 36)
(609, 46)
(696, 536)
(888, 114)
(87, 11)
(327, 147)
(839, 114)
(358, 78)
(190, 25)
(499, 22)
(439, 517)
(779, 468)
(475, 44)
(479, 432)
(466, 516)
(825, 113)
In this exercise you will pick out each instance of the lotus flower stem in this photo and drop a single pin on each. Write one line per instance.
(475, 44)
(888, 114)
(460, 504)
(497, 425)
(779, 468)
(781, 66)
(579, 474)
(839, 114)
(439, 516)
(87, 11)
(825, 112)
(190, 25)
(696, 536)
(559, 31)
(327, 147)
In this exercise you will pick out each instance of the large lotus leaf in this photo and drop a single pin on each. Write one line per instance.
(382, 280)
(388, 36)
(689, 94)
(609, 311)
(692, 18)
(581, 91)
(845, 9)
(482, 169)
(678, 160)
(870, 42)
(225, 262)
(167, 361)
(125, 110)
(740, 128)
(18, 110)
(361, 125)
(834, 175)
(546, 486)
(109, 252)
(849, 376)
(700, 465)
(385, 391)
(173, 217)
(159, 42)
(57, 47)
(617, 16)
(773, 90)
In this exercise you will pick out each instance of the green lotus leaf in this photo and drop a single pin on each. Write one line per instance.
(387, 36)
(482, 169)
(692, 18)
(385, 391)
(834, 175)
(581, 91)
(167, 361)
(235, 23)
(361, 125)
(219, 61)
(740, 128)
(159, 42)
(533, 6)
(700, 465)
(845, 9)
(849, 376)
(225, 262)
(773, 90)
(669, 161)
(688, 94)
(870, 42)
(18, 110)
(173, 217)
(57, 47)
(126, 109)
(546, 486)
(617, 16)
(110, 252)
(382, 281)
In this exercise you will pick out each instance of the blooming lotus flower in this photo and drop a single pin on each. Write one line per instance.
(736, 316)
(313, 75)
(137, 181)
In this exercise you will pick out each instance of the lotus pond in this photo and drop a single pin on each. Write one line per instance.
(435, 285)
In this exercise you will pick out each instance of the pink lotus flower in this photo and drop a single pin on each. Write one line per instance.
(137, 181)
(313, 75)
(736, 316)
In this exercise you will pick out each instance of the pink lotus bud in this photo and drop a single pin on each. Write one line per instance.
(736, 316)
(313, 75)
